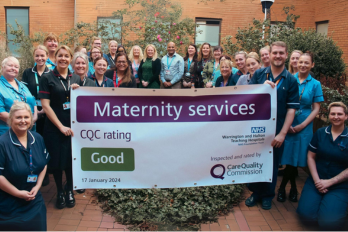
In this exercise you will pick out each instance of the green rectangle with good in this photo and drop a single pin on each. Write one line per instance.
(107, 159)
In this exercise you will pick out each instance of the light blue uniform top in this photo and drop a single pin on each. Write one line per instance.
(175, 65)
(51, 65)
(296, 145)
(8, 95)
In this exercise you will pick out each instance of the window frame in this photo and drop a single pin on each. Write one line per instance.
(197, 19)
(110, 17)
(322, 22)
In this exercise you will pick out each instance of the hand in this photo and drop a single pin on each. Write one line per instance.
(40, 112)
(278, 140)
(34, 191)
(145, 83)
(25, 195)
(298, 128)
(192, 85)
(322, 185)
(272, 84)
(291, 130)
(184, 83)
(167, 84)
(66, 131)
(74, 86)
(209, 85)
(137, 80)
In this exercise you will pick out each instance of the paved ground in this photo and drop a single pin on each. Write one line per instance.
(87, 215)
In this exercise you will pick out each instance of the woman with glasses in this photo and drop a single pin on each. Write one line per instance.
(12, 90)
(324, 195)
(121, 75)
(95, 53)
(204, 56)
(240, 58)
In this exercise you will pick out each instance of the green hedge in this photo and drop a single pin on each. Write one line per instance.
(169, 209)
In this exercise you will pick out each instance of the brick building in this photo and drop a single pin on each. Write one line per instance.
(60, 15)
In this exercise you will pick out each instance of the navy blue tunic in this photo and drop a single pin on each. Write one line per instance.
(15, 213)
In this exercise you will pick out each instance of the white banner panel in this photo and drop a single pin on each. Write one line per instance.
(144, 138)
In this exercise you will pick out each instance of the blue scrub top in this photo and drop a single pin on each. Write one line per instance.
(331, 156)
(51, 65)
(8, 95)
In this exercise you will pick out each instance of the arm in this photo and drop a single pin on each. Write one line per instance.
(6, 186)
(279, 139)
(35, 114)
(162, 73)
(37, 187)
(4, 116)
(310, 118)
(140, 71)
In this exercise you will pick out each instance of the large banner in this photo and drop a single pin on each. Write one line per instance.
(144, 138)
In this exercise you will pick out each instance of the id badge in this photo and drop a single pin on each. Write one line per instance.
(66, 106)
(187, 74)
(136, 75)
(167, 72)
(32, 178)
(202, 73)
(38, 102)
(298, 112)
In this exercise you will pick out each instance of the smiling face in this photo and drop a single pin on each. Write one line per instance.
(294, 59)
(305, 64)
(150, 52)
(205, 50)
(100, 67)
(121, 63)
(40, 57)
(337, 116)
(191, 50)
(95, 53)
(21, 121)
(278, 56)
(265, 56)
(51, 45)
(171, 48)
(11, 69)
(113, 48)
(217, 54)
(252, 65)
(225, 69)
(240, 61)
(136, 51)
(63, 59)
(80, 66)
(97, 43)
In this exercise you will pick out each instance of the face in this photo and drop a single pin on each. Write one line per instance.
(83, 50)
(11, 69)
(278, 56)
(337, 116)
(121, 63)
(265, 56)
(206, 50)
(95, 53)
(240, 61)
(97, 43)
(136, 51)
(120, 49)
(171, 48)
(63, 58)
(21, 121)
(252, 65)
(113, 48)
(305, 64)
(80, 66)
(294, 59)
(191, 50)
(226, 70)
(100, 67)
(40, 57)
(150, 52)
(217, 54)
(51, 45)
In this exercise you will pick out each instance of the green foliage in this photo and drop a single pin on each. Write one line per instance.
(327, 55)
(169, 209)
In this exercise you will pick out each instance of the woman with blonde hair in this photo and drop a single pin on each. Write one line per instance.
(112, 53)
(149, 69)
(265, 56)
(294, 57)
(51, 42)
(135, 56)
(252, 63)
(226, 73)
(23, 164)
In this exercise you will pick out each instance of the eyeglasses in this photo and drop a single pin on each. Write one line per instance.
(121, 62)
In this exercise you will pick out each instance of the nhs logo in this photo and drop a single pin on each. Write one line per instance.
(258, 129)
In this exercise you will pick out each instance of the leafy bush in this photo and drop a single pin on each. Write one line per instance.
(327, 55)
(169, 209)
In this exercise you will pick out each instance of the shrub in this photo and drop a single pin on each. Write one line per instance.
(169, 209)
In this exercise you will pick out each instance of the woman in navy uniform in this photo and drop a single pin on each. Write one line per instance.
(80, 65)
(55, 98)
(23, 160)
(100, 65)
(324, 197)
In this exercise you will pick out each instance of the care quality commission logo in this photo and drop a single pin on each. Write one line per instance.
(218, 171)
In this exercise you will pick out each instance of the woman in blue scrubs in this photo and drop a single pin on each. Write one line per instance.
(23, 159)
(324, 197)
(301, 130)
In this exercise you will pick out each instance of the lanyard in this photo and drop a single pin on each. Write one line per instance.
(66, 91)
(302, 92)
(214, 67)
(115, 79)
(188, 65)
(112, 60)
(136, 66)
(278, 82)
(31, 162)
(37, 84)
(84, 81)
(170, 62)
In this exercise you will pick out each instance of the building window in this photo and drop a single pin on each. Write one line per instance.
(13, 15)
(110, 29)
(322, 27)
(208, 30)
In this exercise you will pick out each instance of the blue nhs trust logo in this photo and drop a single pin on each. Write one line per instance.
(261, 129)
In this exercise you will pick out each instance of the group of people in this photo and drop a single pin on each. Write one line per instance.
(36, 132)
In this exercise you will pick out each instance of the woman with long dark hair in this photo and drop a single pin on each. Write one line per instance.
(205, 54)
(190, 67)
